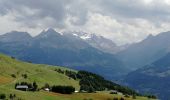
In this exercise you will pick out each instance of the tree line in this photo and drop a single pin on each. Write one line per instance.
(91, 82)
(63, 89)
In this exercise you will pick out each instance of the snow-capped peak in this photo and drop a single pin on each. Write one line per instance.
(85, 37)
(82, 35)
(75, 35)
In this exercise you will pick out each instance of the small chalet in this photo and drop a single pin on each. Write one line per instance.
(76, 91)
(113, 92)
(22, 87)
(47, 89)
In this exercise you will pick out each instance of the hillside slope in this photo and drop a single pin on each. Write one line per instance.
(42, 74)
(154, 78)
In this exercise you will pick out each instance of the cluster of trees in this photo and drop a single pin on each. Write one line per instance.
(59, 89)
(4, 97)
(63, 89)
(31, 86)
(12, 96)
(91, 82)
(71, 74)
(68, 73)
(151, 96)
(13, 75)
(24, 76)
(59, 71)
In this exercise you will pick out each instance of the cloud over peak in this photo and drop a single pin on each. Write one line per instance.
(123, 21)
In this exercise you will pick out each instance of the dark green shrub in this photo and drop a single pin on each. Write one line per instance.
(2, 96)
(63, 89)
(13, 75)
(35, 86)
(24, 76)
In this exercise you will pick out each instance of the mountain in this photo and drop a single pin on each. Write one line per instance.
(14, 71)
(147, 51)
(98, 42)
(153, 78)
(14, 43)
(51, 47)
(15, 36)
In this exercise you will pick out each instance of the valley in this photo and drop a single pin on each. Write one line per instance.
(75, 52)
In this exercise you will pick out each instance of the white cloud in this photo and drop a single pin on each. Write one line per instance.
(167, 2)
(123, 21)
(7, 24)
(121, 32)
(147, 1)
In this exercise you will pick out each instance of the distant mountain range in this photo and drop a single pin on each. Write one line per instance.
(153, 78)
(51, 47)
(151, 58)
(147, 51)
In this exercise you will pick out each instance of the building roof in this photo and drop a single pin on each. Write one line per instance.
(113, 91)
(22, 87)
(76, 91)
(47, 89)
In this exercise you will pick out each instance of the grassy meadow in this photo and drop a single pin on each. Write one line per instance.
(11, 71)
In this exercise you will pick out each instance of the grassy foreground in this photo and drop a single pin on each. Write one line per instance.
(42, 74)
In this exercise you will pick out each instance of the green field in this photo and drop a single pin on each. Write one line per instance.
(42, 74)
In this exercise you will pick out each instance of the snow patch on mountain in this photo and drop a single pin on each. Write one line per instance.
(99, 42)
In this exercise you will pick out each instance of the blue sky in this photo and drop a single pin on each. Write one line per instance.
(123, 21)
